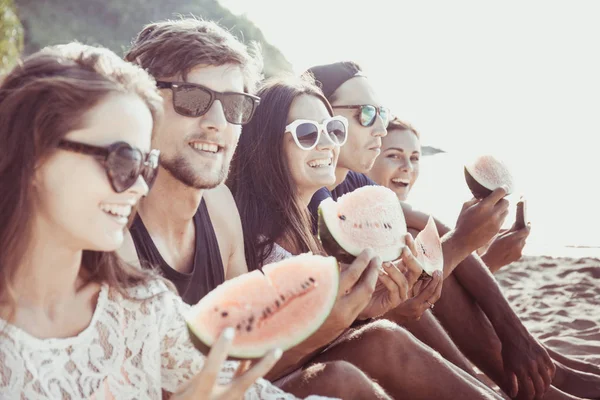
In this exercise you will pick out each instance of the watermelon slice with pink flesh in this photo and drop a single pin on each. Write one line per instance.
(368, 217)
(486, 174)
(277, 309)
(429, 249)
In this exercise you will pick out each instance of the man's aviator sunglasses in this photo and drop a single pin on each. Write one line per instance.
(307, 133)
(193, 100)
(123, 164)
(368, 113)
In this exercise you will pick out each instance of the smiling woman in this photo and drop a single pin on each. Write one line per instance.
(287, 152)
(397, 167)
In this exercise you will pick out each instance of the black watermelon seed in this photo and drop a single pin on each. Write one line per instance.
(311, 279)
(268, 310)
(224, 314)
(248, 328)
(251, 320)
(277, 303)
(239, 327)
(282, 298)
(342, 217)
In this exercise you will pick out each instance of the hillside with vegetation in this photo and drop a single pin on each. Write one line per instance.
(11, 36)
(114, 23)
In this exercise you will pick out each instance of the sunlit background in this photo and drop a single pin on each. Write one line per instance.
(520, 79)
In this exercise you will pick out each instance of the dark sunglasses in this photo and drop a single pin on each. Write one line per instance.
(193, 100)
(307, 133)
(368, 113)
(123, 163)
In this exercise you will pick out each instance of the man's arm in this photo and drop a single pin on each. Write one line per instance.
(522, 354)
(478, 222)
(228, 229)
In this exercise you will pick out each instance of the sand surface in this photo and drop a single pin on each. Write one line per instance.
(559, 302)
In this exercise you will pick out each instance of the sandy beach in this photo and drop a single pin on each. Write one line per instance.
(559, 302)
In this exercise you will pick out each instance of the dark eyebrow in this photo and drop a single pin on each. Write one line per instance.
(401, 150)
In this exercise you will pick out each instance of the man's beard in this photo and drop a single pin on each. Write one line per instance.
(181, 170)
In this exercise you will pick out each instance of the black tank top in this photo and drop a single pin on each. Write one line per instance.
(207, 271)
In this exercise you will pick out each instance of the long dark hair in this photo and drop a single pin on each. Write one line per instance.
(260, 178)
(41, 100)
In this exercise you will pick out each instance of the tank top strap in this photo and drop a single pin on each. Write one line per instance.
(207, 271)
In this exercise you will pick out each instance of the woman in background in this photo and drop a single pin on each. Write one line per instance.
(397, 167)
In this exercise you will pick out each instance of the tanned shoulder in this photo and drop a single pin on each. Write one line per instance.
(226, 222)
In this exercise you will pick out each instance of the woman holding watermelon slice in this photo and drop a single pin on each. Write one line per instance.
(76, 321)
(397, 167)
(287, 152)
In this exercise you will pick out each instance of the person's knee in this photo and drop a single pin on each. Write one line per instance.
(338, 371)
(340, 378)
(388, 343)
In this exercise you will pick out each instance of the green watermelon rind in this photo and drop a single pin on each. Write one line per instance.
(477, 189)
(482, 190)
(202, 342)
(330, 245)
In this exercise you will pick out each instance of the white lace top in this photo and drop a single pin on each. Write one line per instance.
(278, 253)
(132, 349)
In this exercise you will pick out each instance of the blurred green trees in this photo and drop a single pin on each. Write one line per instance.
(114, 23)
(11, 36)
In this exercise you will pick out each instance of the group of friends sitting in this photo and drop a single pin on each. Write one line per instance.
(133, 187)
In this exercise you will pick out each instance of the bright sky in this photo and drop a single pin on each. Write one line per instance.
(518, 78)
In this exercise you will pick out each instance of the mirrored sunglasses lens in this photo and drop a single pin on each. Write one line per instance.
(367, 115)
(385, 115)
(124, 166)
(336, 131)
(307, 134)
(191, 101)
(237, 108)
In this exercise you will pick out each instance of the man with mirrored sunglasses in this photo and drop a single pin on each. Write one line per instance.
(472, 307)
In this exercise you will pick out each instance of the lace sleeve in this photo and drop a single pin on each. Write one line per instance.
(278, 253)
(181, 361)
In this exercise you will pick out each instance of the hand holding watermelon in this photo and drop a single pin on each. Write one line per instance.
(480, 220)
(204, 386)
(425, 294)
(506, 248)
(391, 290)
(357, 285)
(394, 286)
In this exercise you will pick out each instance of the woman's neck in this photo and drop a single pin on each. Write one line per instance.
(50, 272)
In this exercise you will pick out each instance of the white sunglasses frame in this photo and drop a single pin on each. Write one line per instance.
(322, 127)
